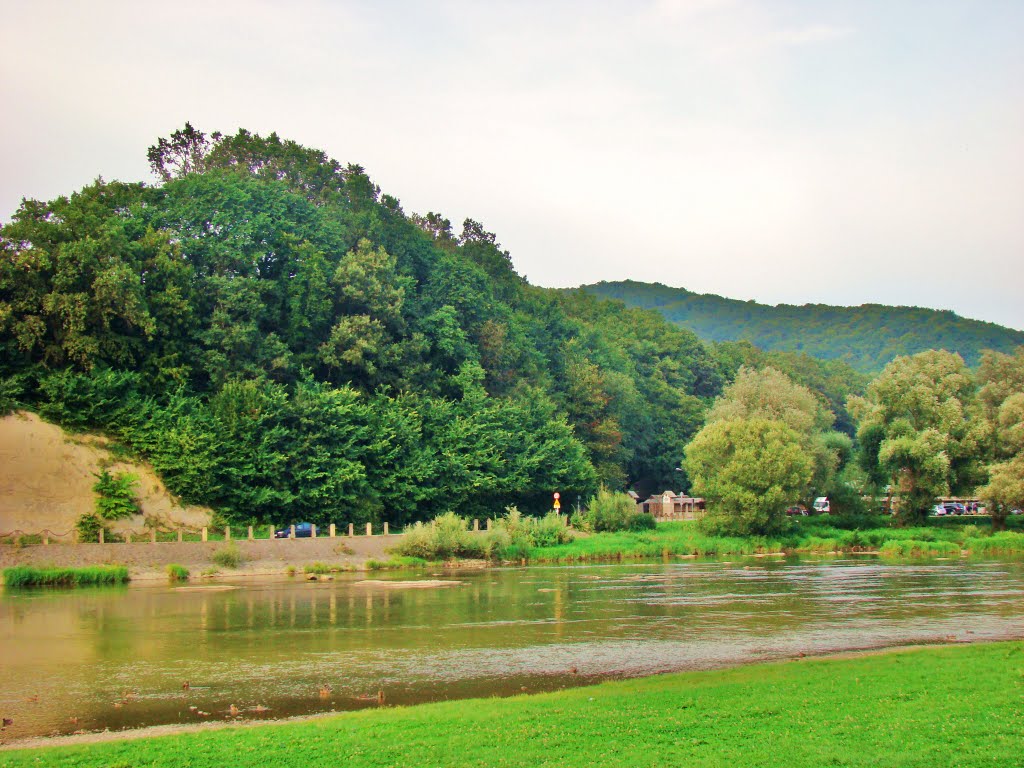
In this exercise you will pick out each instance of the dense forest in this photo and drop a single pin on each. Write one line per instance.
(282, 341)
(867, 337)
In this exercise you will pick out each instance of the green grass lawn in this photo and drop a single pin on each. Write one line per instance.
(942, 706)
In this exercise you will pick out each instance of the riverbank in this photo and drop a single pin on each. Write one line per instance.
(147, 561)
(918, 707)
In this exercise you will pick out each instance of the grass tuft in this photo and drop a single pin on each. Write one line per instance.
(30, 576)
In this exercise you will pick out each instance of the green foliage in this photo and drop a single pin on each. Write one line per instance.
(1002, 543)
(116, 495)
(912, 548)
(447, 536)
(280, 341)
(88, 527)
(177, 572)
(749, 471)
(867, 337)
(609, 511)
(30, 576)
(915, 427)
(228, 556)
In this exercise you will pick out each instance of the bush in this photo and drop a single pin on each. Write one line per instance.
(89, 526)
(609, 511)
(116, 495)
(177, 572)
(642, 521)
(228, 556)
(446, 537)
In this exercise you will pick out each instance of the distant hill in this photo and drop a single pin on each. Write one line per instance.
(867, 337)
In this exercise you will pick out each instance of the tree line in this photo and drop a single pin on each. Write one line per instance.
(927, 427)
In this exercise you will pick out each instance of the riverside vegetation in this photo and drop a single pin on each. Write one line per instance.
(519, 538)
(913, 709)
(282, 342)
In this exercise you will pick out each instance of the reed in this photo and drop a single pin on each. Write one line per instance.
(31, 576)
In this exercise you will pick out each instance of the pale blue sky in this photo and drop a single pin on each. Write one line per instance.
(828, 152)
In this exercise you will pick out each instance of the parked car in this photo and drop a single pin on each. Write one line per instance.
(302, 531)
(822, 506)
(796, 509)
(954, 508)
(939, 510)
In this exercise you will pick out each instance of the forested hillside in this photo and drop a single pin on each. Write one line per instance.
(866, 337)
(281, 341)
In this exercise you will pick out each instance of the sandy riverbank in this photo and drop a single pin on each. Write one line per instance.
(260, 557)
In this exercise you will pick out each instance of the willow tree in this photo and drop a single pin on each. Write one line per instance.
(916, 421)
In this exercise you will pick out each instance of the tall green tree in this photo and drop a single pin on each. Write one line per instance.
(917, 415)
(748, 470)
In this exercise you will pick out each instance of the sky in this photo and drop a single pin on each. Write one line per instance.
(828, 151)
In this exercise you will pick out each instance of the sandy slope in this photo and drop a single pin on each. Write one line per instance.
(46, 479)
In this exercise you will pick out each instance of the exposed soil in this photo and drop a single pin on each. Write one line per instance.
(46, 479)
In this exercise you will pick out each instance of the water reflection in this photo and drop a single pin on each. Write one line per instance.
(119, 658)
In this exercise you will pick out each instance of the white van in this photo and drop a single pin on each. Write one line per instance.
(821, 505)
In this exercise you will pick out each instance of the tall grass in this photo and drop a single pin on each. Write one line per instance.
(912, 548)
(229, 556)
(30, 576)
(1004, 543)
(177, 572)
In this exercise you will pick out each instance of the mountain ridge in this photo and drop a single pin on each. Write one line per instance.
(865, 336)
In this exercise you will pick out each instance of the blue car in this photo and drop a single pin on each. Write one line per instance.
(302, 530)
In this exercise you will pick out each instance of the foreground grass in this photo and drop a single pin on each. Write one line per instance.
(30, 576)
(919, 708)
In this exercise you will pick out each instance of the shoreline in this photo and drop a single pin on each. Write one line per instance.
(173, 729)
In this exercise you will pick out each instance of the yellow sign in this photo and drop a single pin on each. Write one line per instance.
(558, 504)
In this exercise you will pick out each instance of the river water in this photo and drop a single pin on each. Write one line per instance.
(116, 658)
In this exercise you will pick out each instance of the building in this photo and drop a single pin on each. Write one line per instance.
(672, 506)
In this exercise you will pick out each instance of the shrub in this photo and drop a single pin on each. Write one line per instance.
(446, 537)
(228, 556)
(610, 511)
(643, 521)
(177, 572)
(89, 526)
(116, 495)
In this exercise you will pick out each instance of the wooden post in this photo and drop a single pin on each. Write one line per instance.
(152, 536)
(205, 534)
(351, 529)
(270, 531)
(312, 533)
(101, 534)
(251, 536)
(386, 529)
(46, 538)
(128, 537)
(488, 523)
(369, 529)
(227, 533)
(333, 531)
(476, 524)
(291, 533)
(180, 536)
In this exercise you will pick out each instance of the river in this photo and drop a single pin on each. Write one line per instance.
(93, 659)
